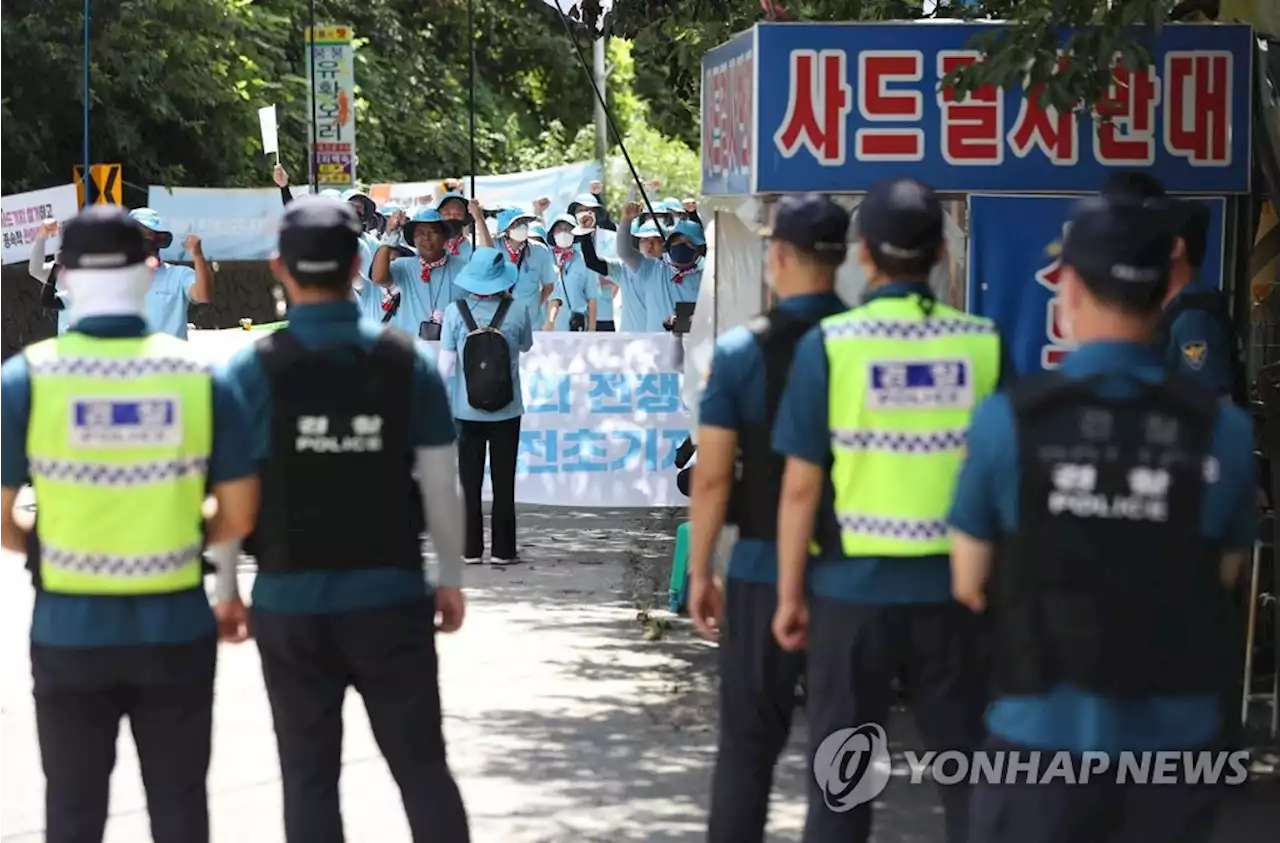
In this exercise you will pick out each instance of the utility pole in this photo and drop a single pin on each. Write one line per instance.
(602, 119)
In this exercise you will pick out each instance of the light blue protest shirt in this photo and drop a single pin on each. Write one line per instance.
(419, 299)
(575, 286)
(635, 284)
(535, 269)
(606, 247)
(675, 285)
(168, 298)
(519, 335)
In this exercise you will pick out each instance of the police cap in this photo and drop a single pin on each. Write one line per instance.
(814, 224)
(102, 237)
(901, 220)
(319, 238)
(1121, 247)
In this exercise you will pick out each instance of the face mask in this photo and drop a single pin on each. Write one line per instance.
(564, 239)
(519, 234)
(682, 254)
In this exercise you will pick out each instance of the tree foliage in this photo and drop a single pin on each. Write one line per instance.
(673, 35)
(176, 85)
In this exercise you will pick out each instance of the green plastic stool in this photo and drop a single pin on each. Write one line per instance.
(678, 591)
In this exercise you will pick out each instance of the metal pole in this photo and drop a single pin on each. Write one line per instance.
(311, 57)
(87, 177)
(471, 89)
(602, 122)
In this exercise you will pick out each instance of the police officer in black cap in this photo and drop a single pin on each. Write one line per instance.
(1101, 516)
(355, 439)
(737, 480)
(122, 433)
(1199, 339)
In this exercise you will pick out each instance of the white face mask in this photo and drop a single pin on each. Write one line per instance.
(519, 234)
(564, 239)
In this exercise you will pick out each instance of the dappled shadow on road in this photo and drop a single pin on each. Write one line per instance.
(629, 741)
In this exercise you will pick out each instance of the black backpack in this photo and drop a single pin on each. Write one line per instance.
(486, 361)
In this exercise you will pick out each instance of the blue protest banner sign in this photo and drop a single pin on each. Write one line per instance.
(837, 107)
(1014, 243)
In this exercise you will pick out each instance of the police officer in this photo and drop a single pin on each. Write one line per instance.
(878, 401)
(1196, 329)
(1108, 535)
(120, 430)
(748, 372)
(353, 432)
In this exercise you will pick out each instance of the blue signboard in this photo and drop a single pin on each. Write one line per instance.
(728, 117)
(1014, 242)
(837, 107)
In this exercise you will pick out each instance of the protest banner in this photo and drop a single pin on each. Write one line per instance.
(23, 213)
(603, 417)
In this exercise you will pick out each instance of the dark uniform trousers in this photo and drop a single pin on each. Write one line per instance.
(855, 653)
(757, 694)
(1097, 811)
(81, 693)
(388, 654)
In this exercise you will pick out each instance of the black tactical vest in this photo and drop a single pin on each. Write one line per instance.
(1107, 583)
(337, 485)
(753, 503)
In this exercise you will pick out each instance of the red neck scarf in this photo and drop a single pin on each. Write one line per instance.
(454, 245)
(427, 266)
(563, 256)
(514, 254)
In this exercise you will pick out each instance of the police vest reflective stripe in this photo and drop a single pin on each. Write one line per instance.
(902, 389)
(118, 444)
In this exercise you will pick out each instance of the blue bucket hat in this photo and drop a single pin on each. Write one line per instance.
(690, 230)
(452, 195)
(584, 200)
(646, 230)
(538, 230)
(488, 272)
(370, 207)
(671, 205)
(151, 221)
(426, 215)
(510, 217)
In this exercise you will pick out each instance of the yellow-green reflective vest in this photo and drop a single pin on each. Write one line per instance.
(902, 389)
(118, 445)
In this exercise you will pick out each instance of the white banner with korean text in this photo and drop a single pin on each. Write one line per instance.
(22, 214)
(604, 415)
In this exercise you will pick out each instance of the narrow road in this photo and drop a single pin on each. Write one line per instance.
(564, 725)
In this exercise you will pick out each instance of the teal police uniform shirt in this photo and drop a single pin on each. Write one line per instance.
(418, 298)
(734, 397)
(575, 287)
(802, 431)
(156, 619)
(986, 507)
(1200, 347)
(518, 332)
(168, 298)
(430, 426)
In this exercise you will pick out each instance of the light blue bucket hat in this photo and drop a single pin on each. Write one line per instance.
(487, 273)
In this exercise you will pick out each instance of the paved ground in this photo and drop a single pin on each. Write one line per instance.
(563, 723)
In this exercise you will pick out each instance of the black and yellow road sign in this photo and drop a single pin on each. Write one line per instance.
(106, 185)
